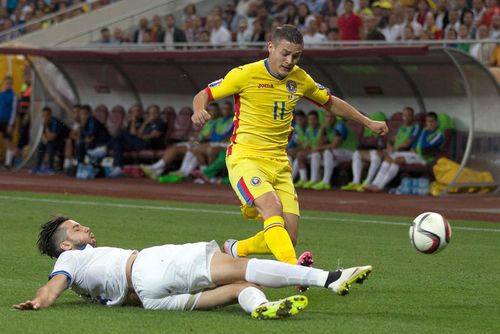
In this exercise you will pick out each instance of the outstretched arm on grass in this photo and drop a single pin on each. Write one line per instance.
(46, 295)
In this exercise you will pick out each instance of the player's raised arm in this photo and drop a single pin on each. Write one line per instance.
(343, 109)
(200, 102)
(46, 295)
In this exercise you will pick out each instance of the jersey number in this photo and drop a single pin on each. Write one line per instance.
(279, 107)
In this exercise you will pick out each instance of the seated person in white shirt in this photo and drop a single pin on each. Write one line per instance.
(195, 276)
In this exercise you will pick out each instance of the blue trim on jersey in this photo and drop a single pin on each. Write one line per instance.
(275, 109)
(63, 272)
(266, 64)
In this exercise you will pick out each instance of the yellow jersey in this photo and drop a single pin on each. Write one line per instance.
(264, 106)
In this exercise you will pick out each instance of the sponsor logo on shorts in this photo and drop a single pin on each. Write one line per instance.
(291, 86)
(255, 181)
(265, 85)
(215, 83)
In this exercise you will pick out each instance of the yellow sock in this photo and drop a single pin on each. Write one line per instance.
(253, 245)
(278, 240)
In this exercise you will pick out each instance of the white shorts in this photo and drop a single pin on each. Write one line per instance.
(171, 276)
(410, 157)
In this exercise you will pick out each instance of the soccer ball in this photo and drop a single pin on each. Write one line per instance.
(430, 233)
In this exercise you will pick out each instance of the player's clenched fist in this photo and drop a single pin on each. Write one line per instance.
(200, 117)
(378, 127)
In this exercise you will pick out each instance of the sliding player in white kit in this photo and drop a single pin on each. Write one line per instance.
(195, 276)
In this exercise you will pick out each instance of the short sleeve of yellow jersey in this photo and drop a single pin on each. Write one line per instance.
(315, 92)
(230, 85)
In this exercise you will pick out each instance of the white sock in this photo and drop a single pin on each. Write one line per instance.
(329, 165)
(295, 169)
(191, 164)
(374, 165)
(250, 298)
(159, 166)
(315, 166)
(357, 167)
(303, 174)
(384, 168)
(67, 163)
(276, 274)
(185, 162)
(391, 174)
(9, 154)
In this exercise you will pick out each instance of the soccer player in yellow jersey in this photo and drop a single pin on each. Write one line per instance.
(265, 94)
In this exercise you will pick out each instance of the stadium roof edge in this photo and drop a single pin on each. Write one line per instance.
(124, 54)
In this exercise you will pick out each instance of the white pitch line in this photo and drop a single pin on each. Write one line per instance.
(170, 208)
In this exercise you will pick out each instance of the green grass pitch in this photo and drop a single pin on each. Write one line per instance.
(455, 291)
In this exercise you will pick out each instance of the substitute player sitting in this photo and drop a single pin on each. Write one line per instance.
(265, 94)
(193, 276)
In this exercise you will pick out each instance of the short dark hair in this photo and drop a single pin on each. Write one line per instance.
(49, 237)
(432, 114)
(86, 107)
(409, 109)
(313, 113)
(299, 112)
(289, 33)
(47, 109)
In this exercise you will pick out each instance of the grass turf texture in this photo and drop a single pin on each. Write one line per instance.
(456, 291)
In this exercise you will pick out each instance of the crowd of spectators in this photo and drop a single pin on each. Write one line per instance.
(24, 14)
(325, 20)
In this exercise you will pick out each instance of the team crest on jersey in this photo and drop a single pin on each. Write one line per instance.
(291, 86)
(215, 83)
(255, 181)
(320, 86)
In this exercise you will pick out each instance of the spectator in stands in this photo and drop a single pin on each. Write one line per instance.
(156, 29)
(189, 12)
(106, 36)
(451, 34)
(315, 6)
(291, 14)
(350, 24)
(453, 21)
(258, 32)
(219, 34)
(423, 152)
(171, 35)
(231, 18)
(93, 134)
(431, 28)
(150, 135)
(141, 34)
(422, 11)
(337, 144)
(204, 39)
(482, 51)
(403, 141)
(265, 18)
(279, 9)
(492, 9)
(312, 35)
(118, 35)
(304, 16)
(372, 31)
(364, 8)
(392, 32)
(478, 9)
(441, 14)
(468, 21)
(411, 20)
(53, 138)
(495, 26)
(463, 34)
(408, 33)
(495, 57)
(381, 11)
(243, 35)
(334, 34)
(8, 108)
